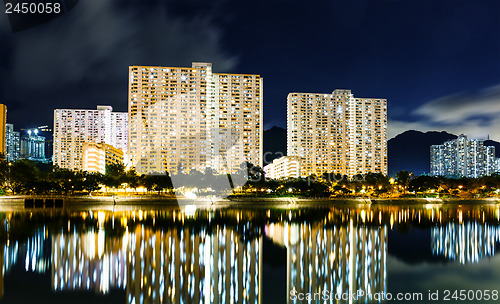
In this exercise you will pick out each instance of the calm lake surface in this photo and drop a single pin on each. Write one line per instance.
(152, 254)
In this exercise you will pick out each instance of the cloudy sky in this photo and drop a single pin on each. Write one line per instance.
(437, 62)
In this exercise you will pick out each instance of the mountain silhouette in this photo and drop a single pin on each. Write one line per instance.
(274, 144)
(408, 151)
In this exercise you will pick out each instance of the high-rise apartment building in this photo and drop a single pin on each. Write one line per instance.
(12, 143)
(187, 119)
(463, 157)
(73, 127)
(337, 133)
(3, 123)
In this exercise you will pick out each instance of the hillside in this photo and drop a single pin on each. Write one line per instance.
(408, 151)
(274, 144)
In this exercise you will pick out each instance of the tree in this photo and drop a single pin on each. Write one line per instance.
(4, 169)
(132, 179)
(23, 176)
(424, 183)
(114, 176)
(64, 179)
(403, 179)
(92, 180)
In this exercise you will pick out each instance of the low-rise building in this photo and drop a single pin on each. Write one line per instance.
(283, 167)
(97, 155)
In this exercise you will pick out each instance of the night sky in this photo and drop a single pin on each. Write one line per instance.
(436, 62)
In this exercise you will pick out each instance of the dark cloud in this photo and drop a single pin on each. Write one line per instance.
(474, 114)
(410, 52)
(81, 59)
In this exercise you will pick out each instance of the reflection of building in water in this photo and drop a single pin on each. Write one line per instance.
(88, 261)
(165, 265)
(235, 268)
(178, 265)
(339, 259)
(10, 252)
(37, 258)
(8, 258)
(185, 266)
(465, 242)
(36, 251)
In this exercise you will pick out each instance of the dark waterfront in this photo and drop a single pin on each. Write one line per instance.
(137, 254)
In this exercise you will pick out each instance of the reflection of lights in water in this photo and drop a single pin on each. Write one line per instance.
(190, 210)
(187, 265)
(100, 242)
(344, 258)
(465, 243)
(124, 221)
(101, 216)
(363, 215)
(171, 263)
(35, 260)
(88, 261)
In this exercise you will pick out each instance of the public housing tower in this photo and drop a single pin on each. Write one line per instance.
(337, 133)
(183, 119)
(463, 157)
(74, 127)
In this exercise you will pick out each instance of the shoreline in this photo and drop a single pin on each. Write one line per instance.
(172, 200)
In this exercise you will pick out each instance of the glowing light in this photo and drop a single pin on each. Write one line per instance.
(190, 210)
(363, 215)
(101, 216)
(190, 195)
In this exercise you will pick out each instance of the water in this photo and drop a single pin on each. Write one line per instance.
(141, 254)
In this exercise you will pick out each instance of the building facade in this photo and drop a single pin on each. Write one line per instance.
(3, 123)
(337, 133)
(283, 167)
(32, 146)
(73, 127)
(97, 156)
(184, 119)
(12, 142)
(463, 157)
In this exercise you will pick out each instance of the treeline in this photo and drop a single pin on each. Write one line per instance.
(374, 184)
(327, 184)
(27, 177)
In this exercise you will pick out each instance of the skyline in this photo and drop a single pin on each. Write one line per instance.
(436, 62)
